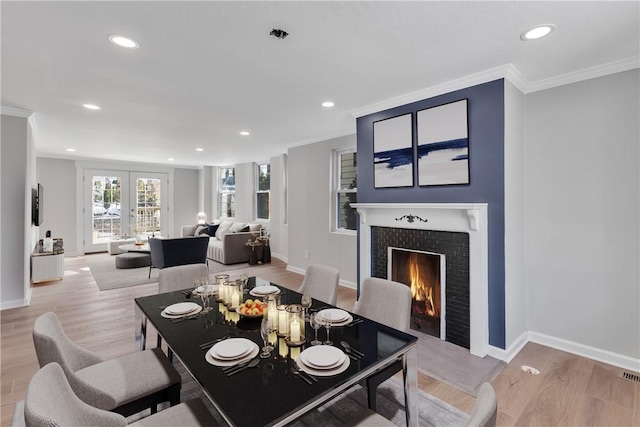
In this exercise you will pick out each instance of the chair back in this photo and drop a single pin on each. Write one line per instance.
(180, 277)
(53, 345)
(322, 282)
(50, 402)
(155, 250)
(179, 251)
(377, 296)
(485, 411)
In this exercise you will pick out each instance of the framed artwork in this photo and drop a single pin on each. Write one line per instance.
(393, 152)
(443, 145)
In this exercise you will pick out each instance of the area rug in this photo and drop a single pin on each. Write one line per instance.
(432, 411)
(107, 276)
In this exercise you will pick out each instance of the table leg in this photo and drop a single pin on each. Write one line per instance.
(410, 375)
(140, 324)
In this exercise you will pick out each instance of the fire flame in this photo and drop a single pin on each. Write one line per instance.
(419, 289)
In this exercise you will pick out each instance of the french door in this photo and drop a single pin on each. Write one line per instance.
(122, 203)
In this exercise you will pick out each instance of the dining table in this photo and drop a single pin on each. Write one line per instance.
(271, 393)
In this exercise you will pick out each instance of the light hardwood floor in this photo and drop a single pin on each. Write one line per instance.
(570, 390)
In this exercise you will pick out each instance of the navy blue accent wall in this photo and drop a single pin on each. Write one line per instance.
(486, 163)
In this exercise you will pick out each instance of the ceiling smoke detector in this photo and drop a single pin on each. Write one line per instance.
(279, 34)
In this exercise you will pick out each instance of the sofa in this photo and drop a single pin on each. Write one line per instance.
(227, 239)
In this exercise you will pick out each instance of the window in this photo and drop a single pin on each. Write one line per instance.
(345, 185)
(263, 191)
(227, 202)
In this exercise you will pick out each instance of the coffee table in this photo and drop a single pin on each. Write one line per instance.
(271, 395)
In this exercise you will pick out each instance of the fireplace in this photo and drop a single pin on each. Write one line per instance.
(437, 228)
(425, 274)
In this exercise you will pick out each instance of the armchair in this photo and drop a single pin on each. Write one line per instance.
(178, 251)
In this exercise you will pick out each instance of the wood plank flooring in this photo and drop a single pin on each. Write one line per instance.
(570, 390)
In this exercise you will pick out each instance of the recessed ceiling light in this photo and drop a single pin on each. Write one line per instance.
(171, 159)
(328, 104)
(123, 41)
(71, 150)
(245, 133)
(199, 149)
(91, 107)
(537, 32)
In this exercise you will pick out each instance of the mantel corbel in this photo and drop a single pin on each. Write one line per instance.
(474, 219)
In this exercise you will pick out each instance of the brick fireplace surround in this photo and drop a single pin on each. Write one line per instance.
(468, 218)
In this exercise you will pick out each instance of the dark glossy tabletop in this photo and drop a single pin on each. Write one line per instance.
(269, 393)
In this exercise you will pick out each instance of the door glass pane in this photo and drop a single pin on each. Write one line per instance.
(148, 206)
(105, 216)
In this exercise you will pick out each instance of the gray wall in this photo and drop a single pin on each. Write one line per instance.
(17, 234)
(309, 215)
(186, 196)
(58, 178)
(278, 225)
(582, 211)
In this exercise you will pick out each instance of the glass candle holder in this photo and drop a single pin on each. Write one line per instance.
(220, 280)
(296, 325)
(271, 303)
(283, 320)
(234, 291)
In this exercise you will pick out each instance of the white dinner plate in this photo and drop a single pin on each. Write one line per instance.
(181, 308)
(323, 372)
(262, 291)
(323, 357)
(166, 315)
(211, 289)
(210, 358)
(232, 348)
(334, 315)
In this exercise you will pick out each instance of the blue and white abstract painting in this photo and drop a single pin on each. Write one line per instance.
(393, 152)
(443, 145)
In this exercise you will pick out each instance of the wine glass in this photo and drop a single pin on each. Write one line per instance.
(205, 293)
(265, 329)
(327, 325)
(306, 303)
(316, 323)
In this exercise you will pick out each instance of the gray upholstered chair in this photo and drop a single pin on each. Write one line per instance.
(180, 277)
(322, 282)
(126, 385)
(484, 413)
(376, 295)
(50, 402)
(485, 410)
(178, 251)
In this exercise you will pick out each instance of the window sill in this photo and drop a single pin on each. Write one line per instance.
(345, 232)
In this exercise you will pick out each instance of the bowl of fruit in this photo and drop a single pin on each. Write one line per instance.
(251, 309)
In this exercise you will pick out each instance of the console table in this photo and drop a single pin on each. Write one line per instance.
(47, 266)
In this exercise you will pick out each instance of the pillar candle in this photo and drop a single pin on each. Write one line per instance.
(294, 333)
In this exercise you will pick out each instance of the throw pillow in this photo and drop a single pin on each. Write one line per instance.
(212, 228)
(200, 229)
(244, 230)
(225, 225)
(238, 226)
(255, 227)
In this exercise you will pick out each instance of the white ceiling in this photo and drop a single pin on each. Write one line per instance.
(207, 70)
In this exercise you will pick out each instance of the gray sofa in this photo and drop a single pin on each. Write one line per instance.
(228, 245)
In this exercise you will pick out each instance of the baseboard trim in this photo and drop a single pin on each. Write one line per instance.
(7, 305)
(511, 352)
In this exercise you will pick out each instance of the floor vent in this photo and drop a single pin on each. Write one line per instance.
(630, 376)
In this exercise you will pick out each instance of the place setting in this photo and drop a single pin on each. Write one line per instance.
(322, 361)
(233, 355)
(181, 311)
(264, 290)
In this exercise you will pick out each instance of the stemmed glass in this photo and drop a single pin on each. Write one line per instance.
(327, 326)
(202, 285)
(315, 323)
(306, 303)
(265, 329)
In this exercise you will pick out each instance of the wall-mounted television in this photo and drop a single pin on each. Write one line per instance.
(37, 198)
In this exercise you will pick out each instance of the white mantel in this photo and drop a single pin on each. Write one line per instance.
(468, 218)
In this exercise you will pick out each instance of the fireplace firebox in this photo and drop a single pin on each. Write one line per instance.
(425, 274)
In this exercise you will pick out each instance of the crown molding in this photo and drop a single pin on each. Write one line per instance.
(322, 138)
(585, 74)
(15, 112)
(509, 72)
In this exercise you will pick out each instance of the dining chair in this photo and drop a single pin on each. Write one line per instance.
(177, 251)
(322, 282)
(50, 401)
(377, 296)
(126, 384)
(180, 277)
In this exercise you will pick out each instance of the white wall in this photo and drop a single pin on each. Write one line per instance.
(514, 200)
(186, 198)
(17, 234)
(58, 177)
(582, 215)
(278, 226)
(309, 215)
